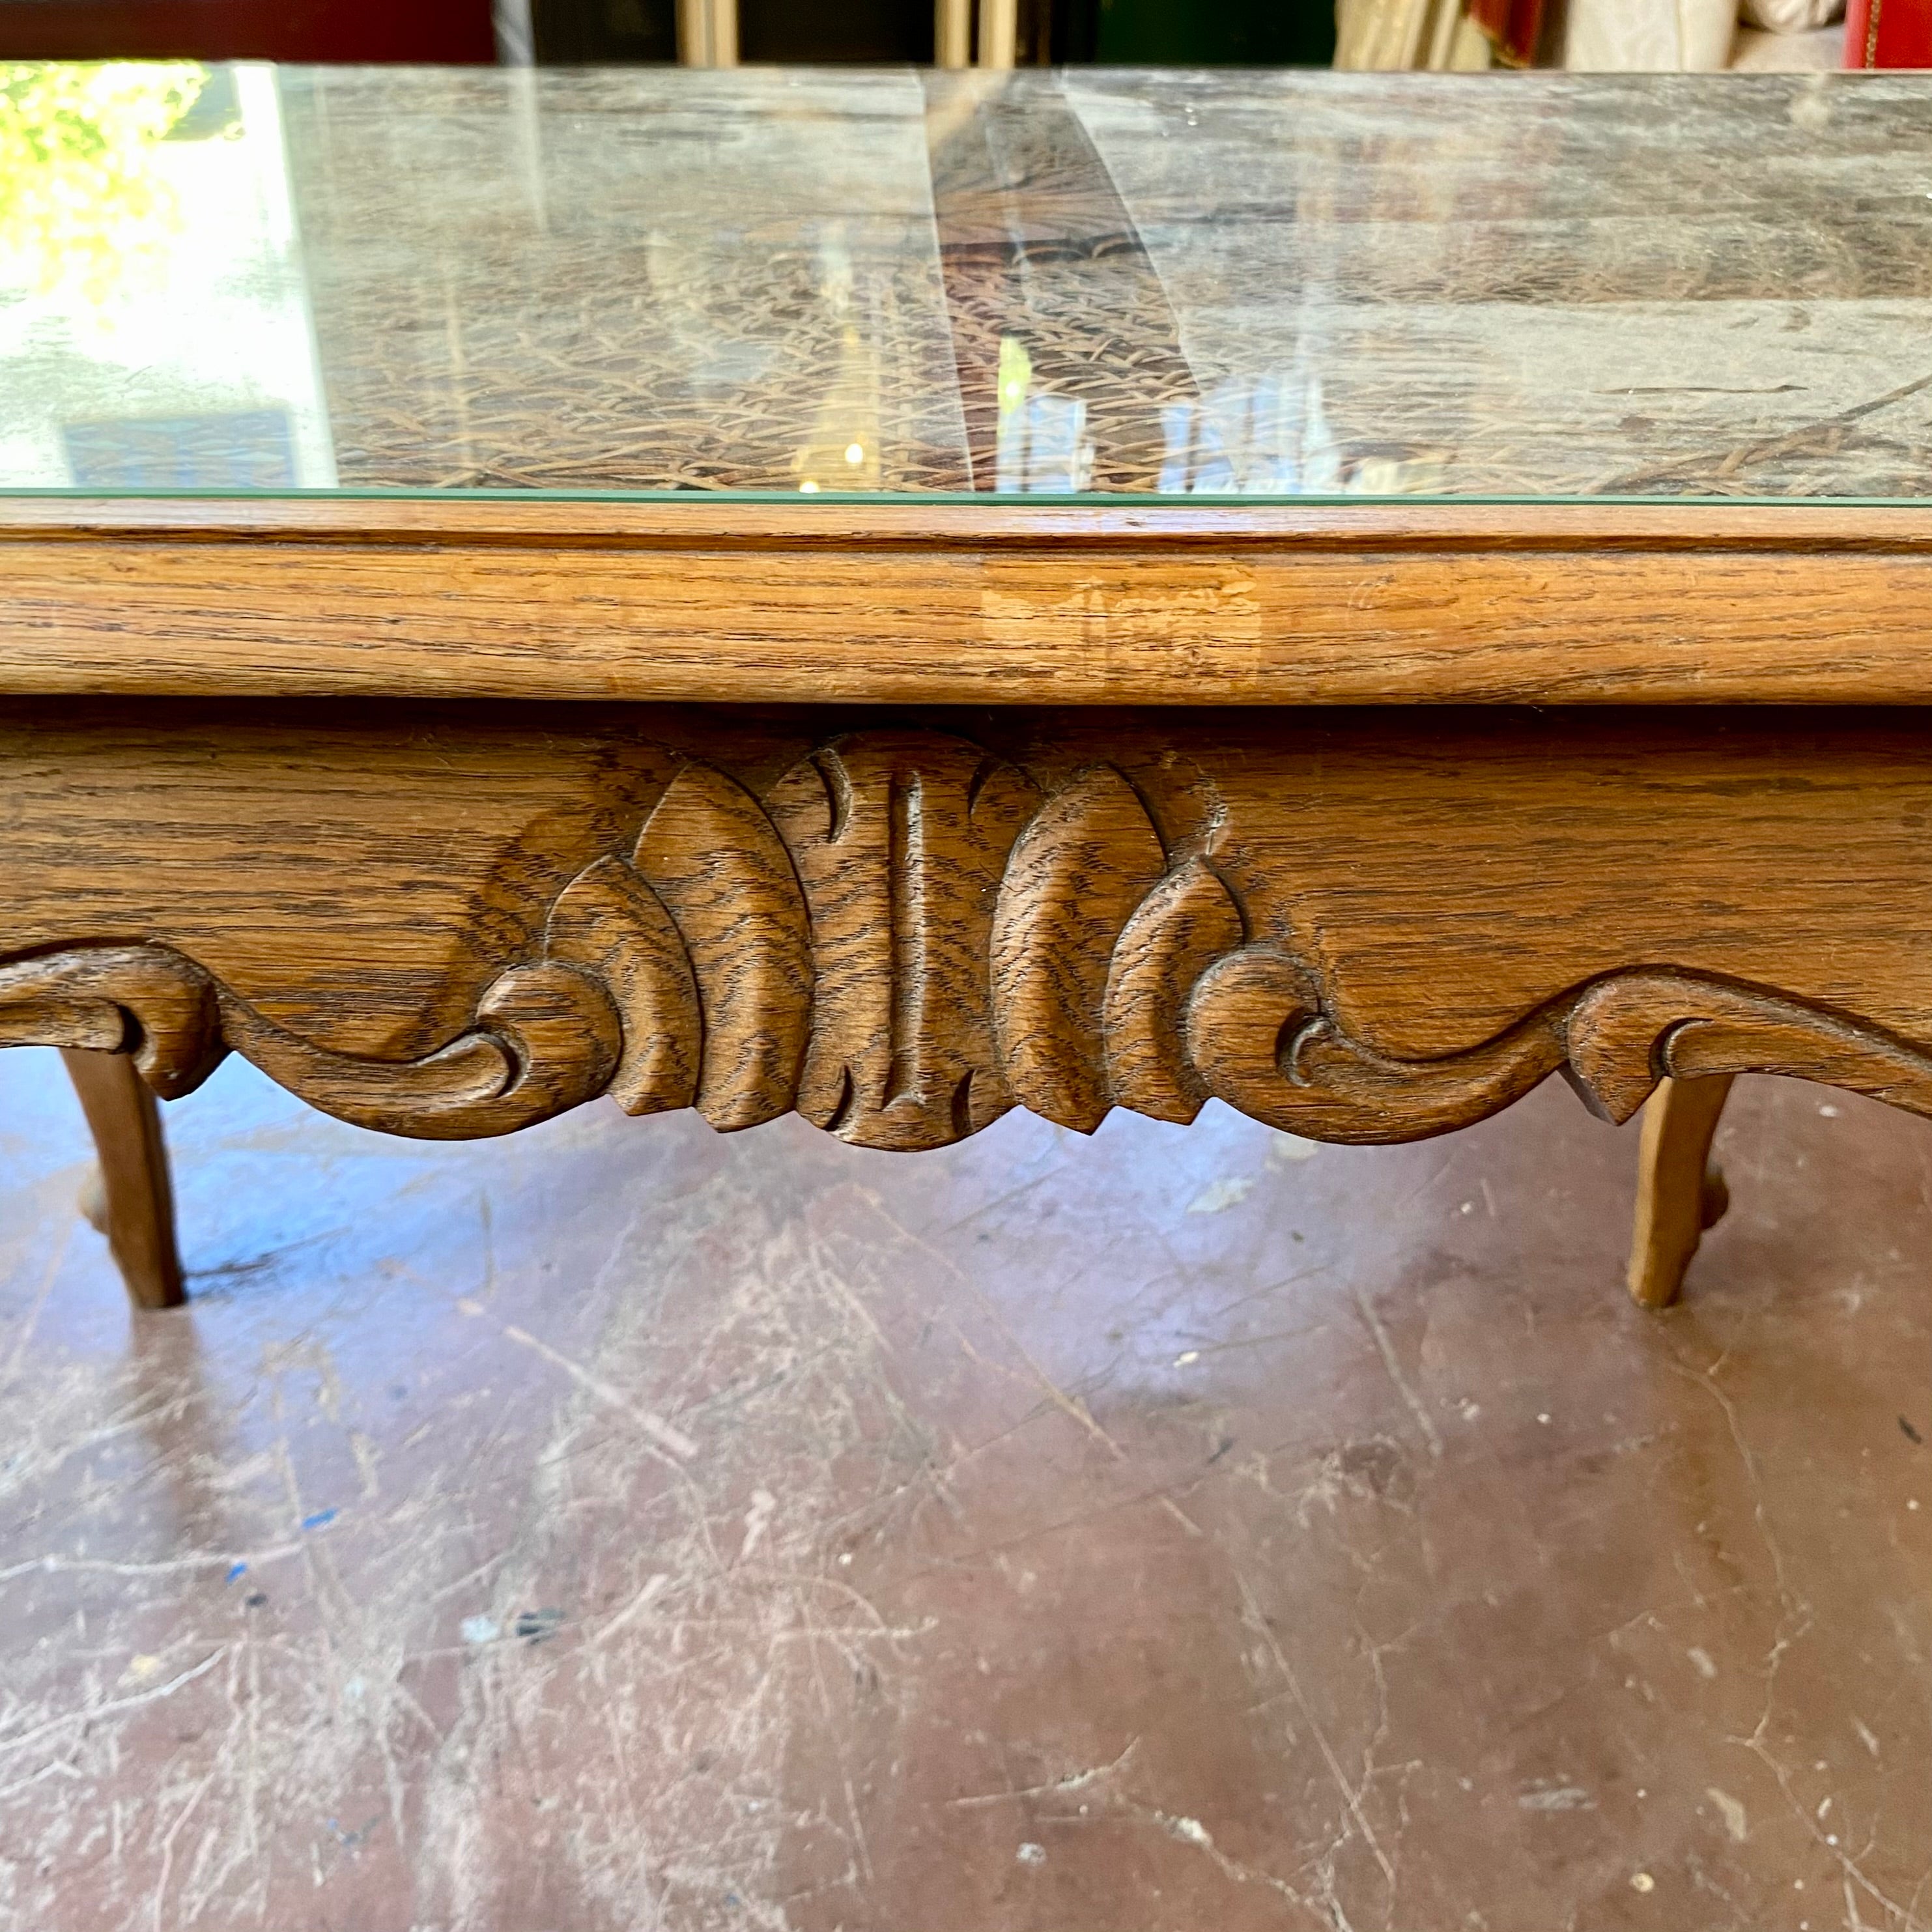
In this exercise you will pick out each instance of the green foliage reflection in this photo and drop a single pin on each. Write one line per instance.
(82, 197)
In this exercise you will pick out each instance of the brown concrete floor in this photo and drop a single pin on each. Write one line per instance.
(1174, 1530)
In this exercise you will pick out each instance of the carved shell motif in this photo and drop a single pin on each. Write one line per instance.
(903, 938)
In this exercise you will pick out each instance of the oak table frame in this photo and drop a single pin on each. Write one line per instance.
(451, 815)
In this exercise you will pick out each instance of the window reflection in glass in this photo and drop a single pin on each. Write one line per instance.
(154, 319)
(1254, 436)
(1043, 448)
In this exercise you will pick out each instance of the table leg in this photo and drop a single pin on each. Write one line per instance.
(1678, 1194)
(138, 1214)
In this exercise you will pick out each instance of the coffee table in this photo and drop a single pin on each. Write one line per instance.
(898, 597)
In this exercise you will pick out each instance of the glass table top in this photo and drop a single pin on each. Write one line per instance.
(1239, 284)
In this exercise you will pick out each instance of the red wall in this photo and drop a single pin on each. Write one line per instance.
(215, 30)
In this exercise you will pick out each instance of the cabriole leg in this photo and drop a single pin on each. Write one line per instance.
(1679, 1193)
(137, 1204)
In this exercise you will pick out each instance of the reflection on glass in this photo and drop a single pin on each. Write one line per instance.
(1252, 436)
(688, 280)
(154, 330)
(1043, 448)
(791, 280)
(83, 197)
(842, 451)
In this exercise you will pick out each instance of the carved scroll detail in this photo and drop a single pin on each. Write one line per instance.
(1626, 1031)
(900, 840)
(1185, 922)
(906, 934)
(547, 1039)
(143, 1000)
(609, 923)
(1257, 1031)
(1263, 1045)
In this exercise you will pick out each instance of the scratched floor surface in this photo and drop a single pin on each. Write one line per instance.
(627, 1527)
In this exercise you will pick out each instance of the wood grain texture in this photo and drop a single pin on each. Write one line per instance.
(608, 921)
(1678, 1194)
(904, 603)
(1185, 922)
(137, 1200)
(709, 852)
(901, 839)
(1358, 926)
(1079, 871)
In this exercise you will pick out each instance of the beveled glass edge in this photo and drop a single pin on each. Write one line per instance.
(806, 500)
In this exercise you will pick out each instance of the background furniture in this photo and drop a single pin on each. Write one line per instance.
(1703, 36)
(1616, 36)
(948, 33)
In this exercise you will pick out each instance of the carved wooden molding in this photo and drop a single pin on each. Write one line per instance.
(907, 934)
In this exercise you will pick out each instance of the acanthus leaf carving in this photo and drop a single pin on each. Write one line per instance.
(1079, 872)
(1188, 921)
(709, 852)
(900, 840)
(907, 934)
(608, 921)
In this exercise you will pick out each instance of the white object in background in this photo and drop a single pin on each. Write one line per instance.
(1822, 51)
(1790, 16)
(516, 42)
(1649, 36)
(707, 33)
